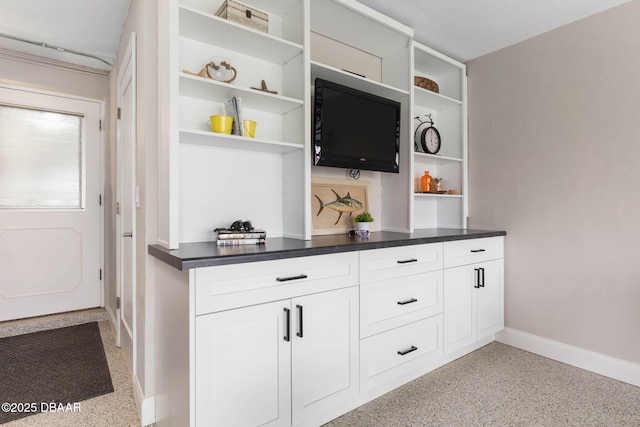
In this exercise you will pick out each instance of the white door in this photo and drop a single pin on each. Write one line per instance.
(50, 203)
(243, 367)
(126, 205)
(325, 352)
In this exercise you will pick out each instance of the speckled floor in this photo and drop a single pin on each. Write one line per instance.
(115, 409)
(499, 385)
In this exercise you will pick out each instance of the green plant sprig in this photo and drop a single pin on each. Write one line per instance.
(364, 217)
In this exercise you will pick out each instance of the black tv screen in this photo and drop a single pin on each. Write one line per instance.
(355, 129)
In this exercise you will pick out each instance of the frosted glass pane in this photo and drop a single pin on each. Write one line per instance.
(40, 159)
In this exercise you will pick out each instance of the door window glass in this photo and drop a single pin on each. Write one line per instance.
(41, 155)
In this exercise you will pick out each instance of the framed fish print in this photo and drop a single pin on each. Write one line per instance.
(335, 203)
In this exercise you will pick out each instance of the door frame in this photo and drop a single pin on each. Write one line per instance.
(129, 63)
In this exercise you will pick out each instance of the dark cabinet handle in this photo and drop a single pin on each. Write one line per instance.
(409, 301)
(477, 283)
(287, 327)
(481, 283)
(413, 348)
(299, 333)
(286, 279)
(478, 250)
(406, 261)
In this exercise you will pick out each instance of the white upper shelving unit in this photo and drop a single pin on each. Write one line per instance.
(276, 165)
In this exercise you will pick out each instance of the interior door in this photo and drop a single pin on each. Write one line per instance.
(126, 206)
(50, 203)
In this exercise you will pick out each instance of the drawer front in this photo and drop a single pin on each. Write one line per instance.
(389, 263)
(392, 303)
(463, 252)
(400, 351)
(231, 286)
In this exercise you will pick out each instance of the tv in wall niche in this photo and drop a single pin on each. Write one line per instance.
(355, 129)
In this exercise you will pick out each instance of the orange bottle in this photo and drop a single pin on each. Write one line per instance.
(426, 182)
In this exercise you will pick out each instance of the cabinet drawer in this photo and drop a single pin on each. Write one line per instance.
(392, 303)
(388, 355)
(231, 286)
(462, 252)
(389, 263)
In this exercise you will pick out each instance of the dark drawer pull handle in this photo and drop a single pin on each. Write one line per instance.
(409, 301)
(287, 328)
(299, 333)
(405, 261)
(413, 348)
(286, 279)
(478, 250)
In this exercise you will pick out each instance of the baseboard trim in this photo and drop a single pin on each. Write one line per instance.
(112, 319)
(607, 366)
(146, 406)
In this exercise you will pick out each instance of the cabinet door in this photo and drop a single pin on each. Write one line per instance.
(490, 299)
(325, 352)
(243, 367)
(460, 307)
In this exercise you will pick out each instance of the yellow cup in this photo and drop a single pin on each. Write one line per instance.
(249, 128)
(221, 124)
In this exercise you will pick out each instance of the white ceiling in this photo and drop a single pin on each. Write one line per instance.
(463, 29)
(467, 29)
(88, 26)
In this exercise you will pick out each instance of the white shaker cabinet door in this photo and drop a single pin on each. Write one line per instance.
(460, 308)
(490, 299)
(473, 303)
(325, 352)
(243, 367)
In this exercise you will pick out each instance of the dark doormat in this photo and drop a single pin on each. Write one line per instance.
(58, 366)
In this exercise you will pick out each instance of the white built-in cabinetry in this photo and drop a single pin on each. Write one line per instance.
(448, 109)
(279, 363)
(474, 293)
(259, 362)
(209, 180)
(299, 341)
(401, 302)
(361, 29)
(214, 179)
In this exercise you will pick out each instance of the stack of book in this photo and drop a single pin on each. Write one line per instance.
(231, 238)
(233, 108)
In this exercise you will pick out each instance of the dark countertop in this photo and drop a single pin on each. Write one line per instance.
(206, 254)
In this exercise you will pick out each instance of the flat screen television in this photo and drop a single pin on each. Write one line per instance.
(354, 129)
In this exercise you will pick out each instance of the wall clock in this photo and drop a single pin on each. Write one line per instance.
(427, 136)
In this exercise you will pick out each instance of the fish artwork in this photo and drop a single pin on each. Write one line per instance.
(341, 205)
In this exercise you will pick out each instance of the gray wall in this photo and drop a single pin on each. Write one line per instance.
(554, 154)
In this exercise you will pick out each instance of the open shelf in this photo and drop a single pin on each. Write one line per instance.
(434, 158)
(188, 136)
(212, 90)
(213, 30)
(432, 100)
(444, 195)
